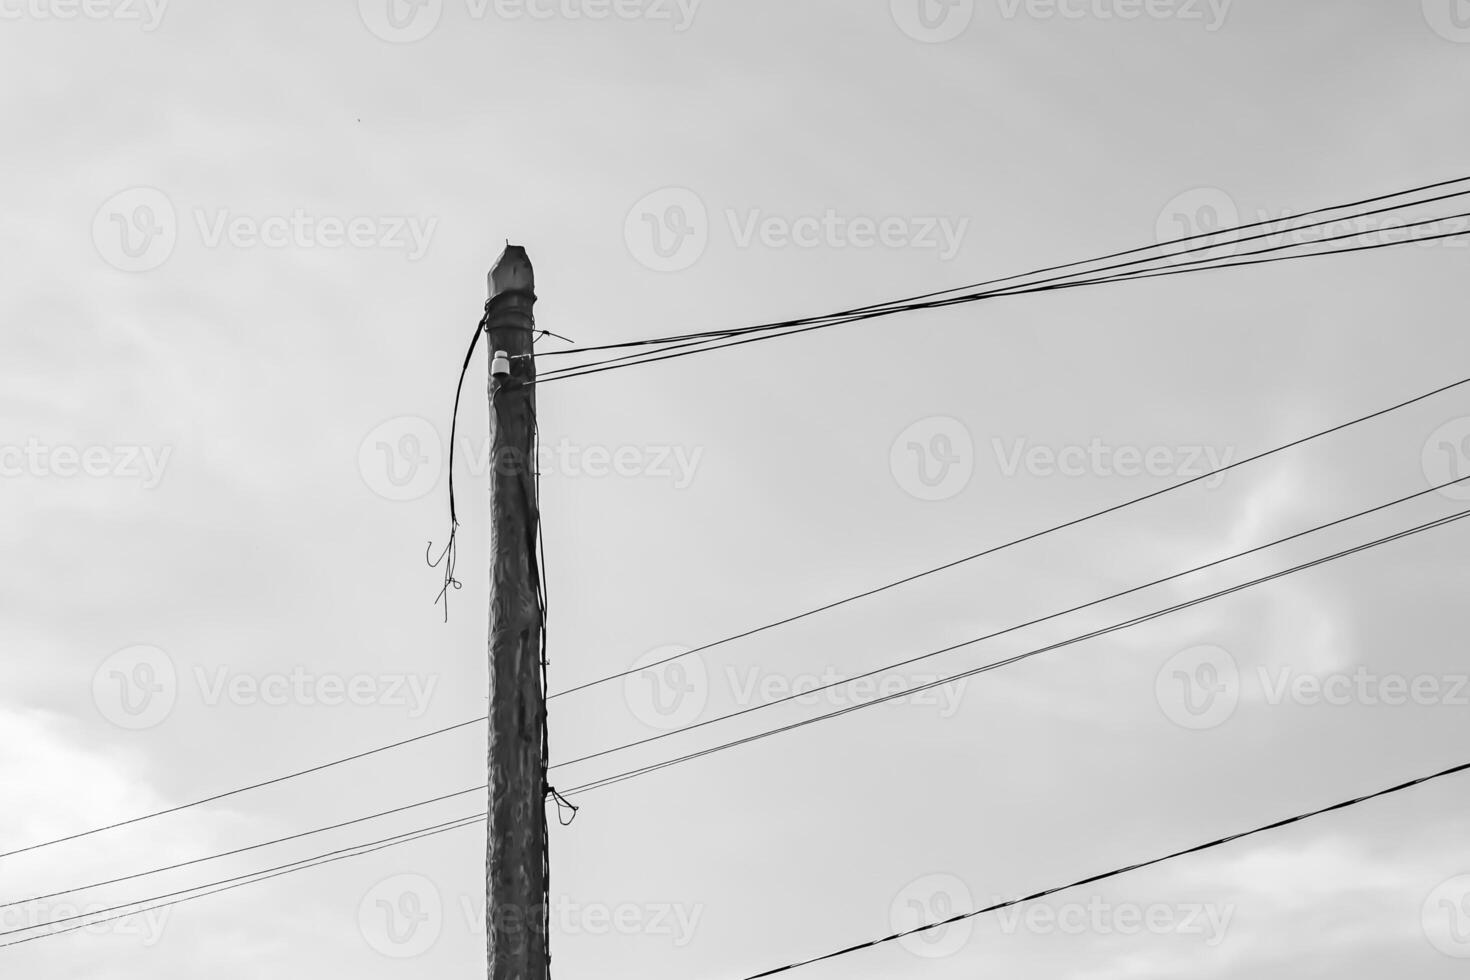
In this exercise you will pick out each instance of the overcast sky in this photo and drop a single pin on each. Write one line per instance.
(246, 247)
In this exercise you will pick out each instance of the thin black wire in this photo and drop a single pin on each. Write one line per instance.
(241, 850)
(286, 869)
(242, 789)
(1022, 540)
(1012, 629)
(657, 356)
(555, 795)
(1055, 268)
(904, 663)
(1018, 541)
(1221, 842)
(450, 555)
(633, 773)
(912, 304)
(448, 824)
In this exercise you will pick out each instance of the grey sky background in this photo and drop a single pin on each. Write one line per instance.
(293, 399)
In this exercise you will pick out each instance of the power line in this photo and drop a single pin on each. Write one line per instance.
(1118, 872)
(1025, 289)
(242, 789)
(1117, 627)
(1035, 272)
(990, 636)
(773, 625)
(243, 850)
(1011, 629)
(1022, 540)
(370, 848)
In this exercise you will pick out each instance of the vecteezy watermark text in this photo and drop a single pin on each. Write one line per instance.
(40, 460)
(1101, 459)
(936, 898)
(138, 229)
(404, 916)
(408, 21)
(138, 688)
(1200, 688)
(669, 230)
(148, 14)
(754, 685)
(404, 459)
(1211, 14)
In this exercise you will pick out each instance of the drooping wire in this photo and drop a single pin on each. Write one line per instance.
(449, 556)
(1046, 893)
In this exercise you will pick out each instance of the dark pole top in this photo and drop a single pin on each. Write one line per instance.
(512, 273)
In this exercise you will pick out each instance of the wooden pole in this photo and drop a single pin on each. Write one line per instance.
(515, 871)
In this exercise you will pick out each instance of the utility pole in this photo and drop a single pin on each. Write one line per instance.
(516, 870)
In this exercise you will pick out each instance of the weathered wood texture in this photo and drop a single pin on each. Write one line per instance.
(515, 870)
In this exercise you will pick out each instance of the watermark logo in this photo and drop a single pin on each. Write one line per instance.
(668, 230)
(932, 899)
(679, 13)
(1199, 688)
(933, 21)
(1098, 917)
(43, 461)
(407, 21)
(933, 459)
(401, 917)
(1446, 918)
(401, 21)
(1450, 19)
(136, 688)
(402, 459)
(673, 922)
(1210, 13)
(136, 230)
(1213, 216)
(413, 693)
(666, 689)
(834, 231)
(753, 685)
(148, 14)
(1099, 459)
(303, 230)
(146, 925)
(1366, 688)
(1201, 211)
(1446, 457)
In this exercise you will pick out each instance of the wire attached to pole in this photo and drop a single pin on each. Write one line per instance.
(448, 558)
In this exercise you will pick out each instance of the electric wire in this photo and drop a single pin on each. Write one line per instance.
(242, 850)
(1219, 264)
(1198, 848)
(231, 884)
(808, 692)
(1055, 268)
(1024, 539)
(908, 692)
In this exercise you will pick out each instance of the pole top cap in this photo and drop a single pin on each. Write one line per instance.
(512, 272)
